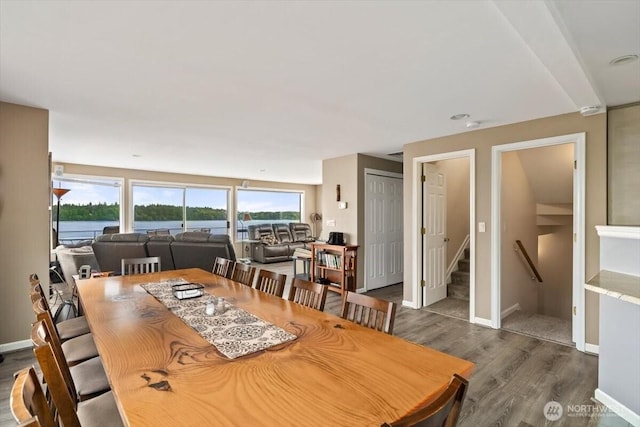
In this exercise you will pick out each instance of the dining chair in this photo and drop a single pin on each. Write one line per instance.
(75, 350)
(243, 273)
(441, 412)
(140, 265)
(98, 411)
(309, 294)
(271, 282)
(88, 377)
(223, 267)
(66, 329)
(368, 311)
(29, 404)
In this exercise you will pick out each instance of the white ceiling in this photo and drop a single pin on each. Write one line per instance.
(267, 90)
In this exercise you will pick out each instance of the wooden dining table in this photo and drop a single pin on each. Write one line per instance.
(335, 373)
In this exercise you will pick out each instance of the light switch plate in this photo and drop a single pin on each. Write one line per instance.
(331, 223)
(481, 227)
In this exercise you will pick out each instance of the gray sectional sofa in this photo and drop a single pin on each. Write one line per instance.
(191, 249)
(277, 242)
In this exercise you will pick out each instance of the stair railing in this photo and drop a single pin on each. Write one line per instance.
(524, 257)
(457, 257)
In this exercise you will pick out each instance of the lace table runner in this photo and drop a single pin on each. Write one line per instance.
(234, 333)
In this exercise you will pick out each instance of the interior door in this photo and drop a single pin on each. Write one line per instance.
(434, 236)
(384, 262)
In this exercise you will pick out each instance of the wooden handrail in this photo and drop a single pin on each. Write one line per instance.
(519, 247)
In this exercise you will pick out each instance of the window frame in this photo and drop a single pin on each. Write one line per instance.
(119, 183)
(174, 185)
(240, 188)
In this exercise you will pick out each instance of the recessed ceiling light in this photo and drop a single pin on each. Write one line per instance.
(621, 60)
(460, 116)
(472, 125)
(136, 155)
(263, 170)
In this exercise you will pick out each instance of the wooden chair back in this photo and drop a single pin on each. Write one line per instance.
(140, 265)
(33, 278)
(29, 404)
(40, 334)
(368, 311)
(443, 411)
(309, 294)
(63, 395)
(243, 273)
(271, 282)
(223, 267)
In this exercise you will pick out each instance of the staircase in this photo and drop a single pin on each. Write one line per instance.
(459, 286)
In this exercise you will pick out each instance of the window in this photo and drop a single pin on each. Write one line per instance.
(266, 207)
(164, 209)
(90, 205)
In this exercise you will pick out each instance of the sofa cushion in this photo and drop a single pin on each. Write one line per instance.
(110, 249)
(160, 246)
(301, 232)
(282, 233)
(197, 249)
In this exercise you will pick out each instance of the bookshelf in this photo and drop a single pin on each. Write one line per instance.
(335, 266)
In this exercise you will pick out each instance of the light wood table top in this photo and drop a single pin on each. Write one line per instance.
(336, 373)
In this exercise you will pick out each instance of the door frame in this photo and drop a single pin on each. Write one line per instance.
(387, 174)
(579, 143)
(416, 224)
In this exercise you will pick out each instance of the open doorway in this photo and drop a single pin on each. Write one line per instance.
(537, 238)
(447, 234)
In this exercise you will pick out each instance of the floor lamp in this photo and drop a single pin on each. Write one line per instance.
(59, 192)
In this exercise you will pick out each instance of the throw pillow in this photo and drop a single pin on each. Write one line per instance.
(269, 240)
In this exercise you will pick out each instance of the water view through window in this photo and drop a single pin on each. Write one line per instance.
(266, 207)
(88, 207)
(172, 210)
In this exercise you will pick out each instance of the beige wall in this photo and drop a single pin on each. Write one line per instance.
(555, 293)
(518, 223)
(129, 175)
(24, 215)
(348, 172)
(457, 181)
(482, 140)
(624, 172)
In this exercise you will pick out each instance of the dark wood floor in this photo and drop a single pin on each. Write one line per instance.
(514, 377)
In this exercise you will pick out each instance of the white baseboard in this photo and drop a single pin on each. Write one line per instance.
(617, 407)
(409, 304)
(591, 348)
(13, 346)
(482, 322)
(508, 311)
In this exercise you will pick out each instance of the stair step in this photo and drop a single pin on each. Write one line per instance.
(458, 291)
(460, 277)
(464, 265)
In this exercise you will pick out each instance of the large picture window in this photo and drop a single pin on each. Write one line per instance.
(266, 207)
(168, 209)
(90, 205)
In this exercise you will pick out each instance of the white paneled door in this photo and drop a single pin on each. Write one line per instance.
(435, 234)
(383, 237)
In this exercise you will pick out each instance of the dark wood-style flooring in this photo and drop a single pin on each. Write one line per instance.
(515, 375)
